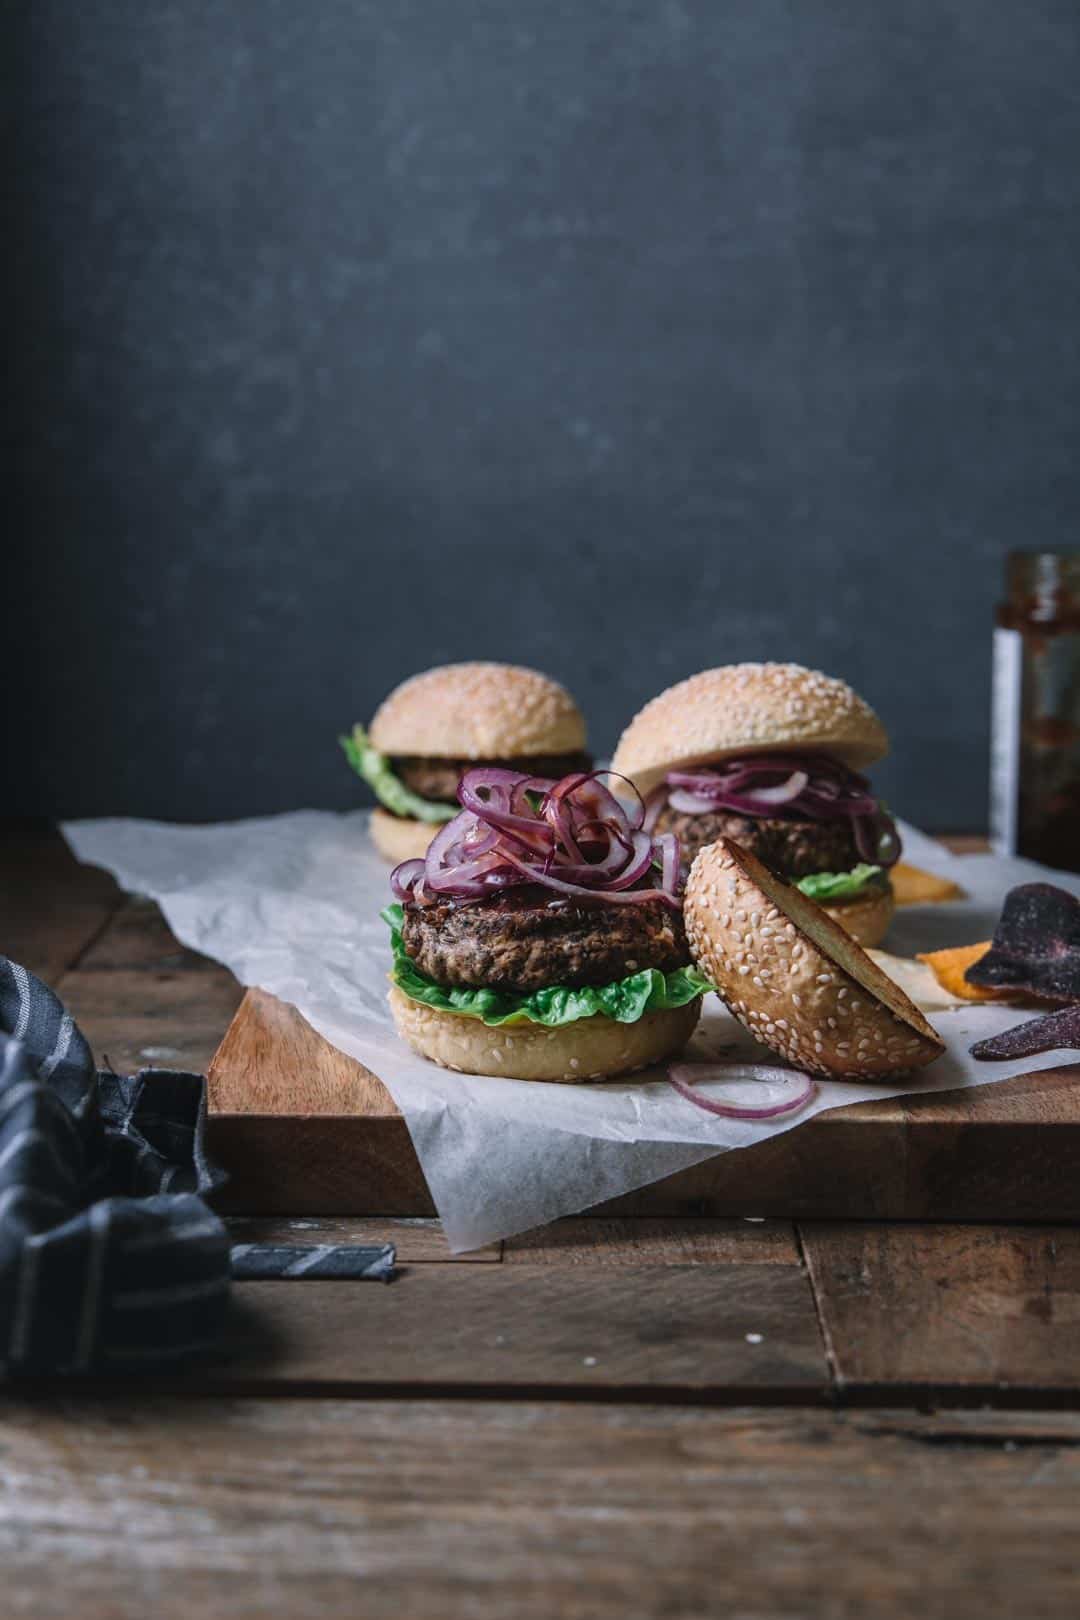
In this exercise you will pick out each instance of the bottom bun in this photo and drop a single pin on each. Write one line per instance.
(867, 917)
(401, 838)
(589, 1049)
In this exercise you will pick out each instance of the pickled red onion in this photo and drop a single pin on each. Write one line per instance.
(572, 836)
(686, 1076)
(811, 786)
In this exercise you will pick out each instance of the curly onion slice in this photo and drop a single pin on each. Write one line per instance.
(572, 836)
(798, 1088)
(810, 786)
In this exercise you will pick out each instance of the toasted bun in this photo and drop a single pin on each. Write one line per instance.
(400, 838)
(796, 980)
(478, 711)
(745, 709)
(590, 1049)
(867, 917)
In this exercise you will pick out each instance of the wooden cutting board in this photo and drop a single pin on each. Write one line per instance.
(304, 1130)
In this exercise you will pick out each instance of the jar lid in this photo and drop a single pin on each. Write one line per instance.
(1046, 581)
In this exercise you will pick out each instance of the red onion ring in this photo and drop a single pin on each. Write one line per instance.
(801, 1087)
(404, 876)
(809, 786)
(572, 836)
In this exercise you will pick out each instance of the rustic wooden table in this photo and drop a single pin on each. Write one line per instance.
(672, 1417)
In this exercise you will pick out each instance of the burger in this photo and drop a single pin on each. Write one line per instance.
(798, 982)
(769, 756)
(436, 726)
(540, 937)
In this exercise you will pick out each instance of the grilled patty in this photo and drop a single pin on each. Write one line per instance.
(527, 938)
(794, 849)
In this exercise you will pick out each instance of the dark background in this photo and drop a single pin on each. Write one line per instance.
(620, 338)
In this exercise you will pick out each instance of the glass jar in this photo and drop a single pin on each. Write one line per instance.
(1035, 737)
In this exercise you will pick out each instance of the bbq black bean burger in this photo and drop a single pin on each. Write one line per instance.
(436, 726)
(540, 937)
(770, 756)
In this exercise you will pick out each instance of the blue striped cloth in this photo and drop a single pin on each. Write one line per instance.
(110, 1260)
(109, 1257)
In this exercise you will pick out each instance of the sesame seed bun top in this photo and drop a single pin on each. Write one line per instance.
(745, 709)
(478, 711)
(798, 982)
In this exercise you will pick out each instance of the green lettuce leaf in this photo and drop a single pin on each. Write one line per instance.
(390, 789)
(825, 886)
(625, 1001)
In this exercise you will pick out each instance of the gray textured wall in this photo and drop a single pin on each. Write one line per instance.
(621, 338)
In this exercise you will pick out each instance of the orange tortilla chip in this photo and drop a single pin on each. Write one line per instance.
(950, 966)
(913, 887)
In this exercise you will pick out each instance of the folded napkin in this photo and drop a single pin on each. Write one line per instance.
(110, 1260)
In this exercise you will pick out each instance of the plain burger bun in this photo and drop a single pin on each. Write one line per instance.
(400, 838)
(589, 1049)
(478, 711)
(867, 917)
(798, 982)
(746, 709)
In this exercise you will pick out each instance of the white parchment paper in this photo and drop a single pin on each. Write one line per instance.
(291, 903)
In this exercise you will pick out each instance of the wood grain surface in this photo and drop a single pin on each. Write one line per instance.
(604, 1241)
(737, 1416)
(51, 907)
(718, 1332)
(988, 1307)
(436, 1510)
(1008, 1150)
(272, 1062)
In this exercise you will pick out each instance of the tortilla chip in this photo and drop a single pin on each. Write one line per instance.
(913, 887)
(950, 967)
(918, 981)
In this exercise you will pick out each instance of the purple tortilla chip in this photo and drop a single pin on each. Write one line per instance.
(1036, 946)
(1056, 1032)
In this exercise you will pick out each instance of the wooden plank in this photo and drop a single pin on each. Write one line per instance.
(51, 908)
(959, 1308)
(271, 1061)
(138, 937)
(417, 1241)
(317, 1165)
(598, 1241)
(340, 1145)
(167, 1018)
(719, 1332)
(303, 1510)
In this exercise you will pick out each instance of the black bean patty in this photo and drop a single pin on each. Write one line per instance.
(526, 939)
(793, 849)
(438, 778)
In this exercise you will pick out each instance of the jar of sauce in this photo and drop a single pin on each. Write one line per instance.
(1035, 735)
